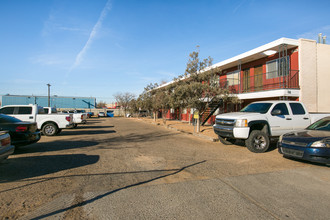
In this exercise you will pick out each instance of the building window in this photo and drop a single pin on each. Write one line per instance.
(233, 78)
(275, 68)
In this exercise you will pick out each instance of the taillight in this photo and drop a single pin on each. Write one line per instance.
(6, 141)
(82, 117)
(21, 128)
(68, 118)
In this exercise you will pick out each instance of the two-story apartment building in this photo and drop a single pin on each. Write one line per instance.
(283, 69)
(286, 69)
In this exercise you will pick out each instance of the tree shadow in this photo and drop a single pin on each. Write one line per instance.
(27, 167)
(136, 138)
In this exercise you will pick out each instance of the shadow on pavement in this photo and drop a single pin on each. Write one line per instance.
(91, 127)
(68, 132)
(54, 146)
(133, 138)
(91, 200)
(28, 167)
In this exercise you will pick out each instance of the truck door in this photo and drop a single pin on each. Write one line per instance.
(25, 113)
(300, 118)
(282, 123)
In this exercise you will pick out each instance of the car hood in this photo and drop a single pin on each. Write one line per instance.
(306, 136)
(237, 115)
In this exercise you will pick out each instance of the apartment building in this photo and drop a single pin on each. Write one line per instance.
(285, 69)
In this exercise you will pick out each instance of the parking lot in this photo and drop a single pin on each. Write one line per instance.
(118, 168)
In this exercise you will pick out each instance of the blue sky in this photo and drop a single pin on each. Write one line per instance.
(98, 47)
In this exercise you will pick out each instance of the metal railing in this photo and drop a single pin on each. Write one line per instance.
(262, 82)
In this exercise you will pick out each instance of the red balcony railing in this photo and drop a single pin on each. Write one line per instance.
(261, 82)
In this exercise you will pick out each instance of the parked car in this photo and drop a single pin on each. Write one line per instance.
(49, 124)
(90, 114)
(6, 148)
(311, 144)
(143, 113)
(21, 133)
(110, 113)
(101, 114)
(78, 117)
(258, 122)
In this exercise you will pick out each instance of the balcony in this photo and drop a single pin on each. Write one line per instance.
(245, 83)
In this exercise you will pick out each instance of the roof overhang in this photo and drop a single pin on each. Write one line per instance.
(256, 54)
(270, 94)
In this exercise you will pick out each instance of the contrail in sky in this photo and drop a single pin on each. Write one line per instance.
(92, 35)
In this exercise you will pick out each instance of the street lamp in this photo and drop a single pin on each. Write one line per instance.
(48, 94)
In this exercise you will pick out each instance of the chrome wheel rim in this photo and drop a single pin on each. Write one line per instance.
(49, 129)
(260, 142)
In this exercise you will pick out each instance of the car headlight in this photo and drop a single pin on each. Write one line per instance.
(241, 123)
(319, 144)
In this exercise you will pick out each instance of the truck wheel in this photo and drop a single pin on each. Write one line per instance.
(49, 129)
(258, 142)
(227, 141)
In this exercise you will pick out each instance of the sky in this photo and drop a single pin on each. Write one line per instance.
(98, 48)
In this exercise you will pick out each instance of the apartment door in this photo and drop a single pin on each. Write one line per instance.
(258, 78)
(246, 80)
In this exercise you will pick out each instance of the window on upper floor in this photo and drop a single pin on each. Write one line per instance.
(233, 78)
(278, 67)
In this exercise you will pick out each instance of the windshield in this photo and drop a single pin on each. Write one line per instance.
(322, 125)
(257, 107)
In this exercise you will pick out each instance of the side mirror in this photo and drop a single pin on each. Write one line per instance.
(276, 112)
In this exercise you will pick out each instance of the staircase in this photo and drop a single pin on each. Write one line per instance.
(210, 109)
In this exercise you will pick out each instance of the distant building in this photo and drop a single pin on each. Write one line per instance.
(55, 101)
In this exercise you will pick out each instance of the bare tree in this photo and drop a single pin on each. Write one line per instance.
(100, 104)
(123, 99)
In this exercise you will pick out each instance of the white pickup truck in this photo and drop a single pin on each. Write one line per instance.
(79, 117)
(258, 122)
(49, 124)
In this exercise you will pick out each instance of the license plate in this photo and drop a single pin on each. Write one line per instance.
(293, 153)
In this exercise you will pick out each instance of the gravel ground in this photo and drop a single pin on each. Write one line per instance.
(90, 172)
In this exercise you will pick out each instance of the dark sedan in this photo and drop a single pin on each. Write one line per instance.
(311, 144)
(21, 132)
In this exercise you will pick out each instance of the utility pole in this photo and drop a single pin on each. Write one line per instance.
(48, 94)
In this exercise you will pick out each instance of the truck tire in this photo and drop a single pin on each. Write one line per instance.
(49, 129)
(227, 141)
(258, 142)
